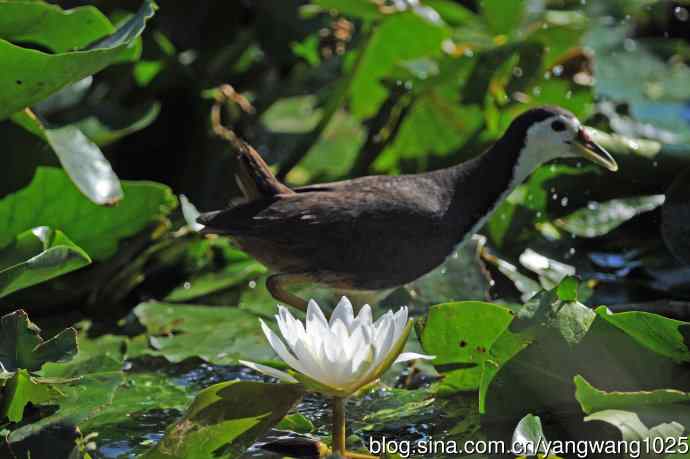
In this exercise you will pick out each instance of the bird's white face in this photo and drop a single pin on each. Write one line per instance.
(559, 136)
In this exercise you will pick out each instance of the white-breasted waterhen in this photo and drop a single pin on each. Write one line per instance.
(380, 232)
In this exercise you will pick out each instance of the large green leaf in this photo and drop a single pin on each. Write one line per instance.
(400, 37)
(21, 346)
(225, 419)
(541, 376)
(81, 158)
(471, 342)
(29, 76)
(218, 335)
(94, 228)
(36, 256)
(501, 16)
(52, 27)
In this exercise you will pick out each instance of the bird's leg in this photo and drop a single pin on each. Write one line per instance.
(276, 287)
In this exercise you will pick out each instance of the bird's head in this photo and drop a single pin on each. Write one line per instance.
(552, 132)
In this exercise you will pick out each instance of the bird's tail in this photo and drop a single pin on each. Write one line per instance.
(254, 177)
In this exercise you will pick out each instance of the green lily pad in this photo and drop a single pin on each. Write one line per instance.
(96, 380)
(29, 76)
(572, 319)
(471, 342)
(204, 284)
(21, 346)
(592, 399)
(94, 228)
(218, 335)
(540, 377)
(665, 409)
(36, 256)
(21, 390)
(138, 393)
(225, 419)
(81, 158)
(657, 333)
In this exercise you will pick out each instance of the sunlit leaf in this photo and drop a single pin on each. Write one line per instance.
(81, 158)
(471, 342)
(29, 76)
(50, 26)
(503, 17)
(95, 229)
(598, 219)
(400, 37)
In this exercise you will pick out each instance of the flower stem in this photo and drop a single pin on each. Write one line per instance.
(339, 426)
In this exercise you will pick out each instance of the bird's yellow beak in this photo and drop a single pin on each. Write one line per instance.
(593, 151)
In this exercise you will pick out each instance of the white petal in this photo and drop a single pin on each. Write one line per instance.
(384, 342)
(364, 317)
(316, 321)
(362, 360)
(313, 367)
(340, 330)
(284, 320)
(344, 312)
(278, 346)
(269, 371)
(354, 342)
(407, 356)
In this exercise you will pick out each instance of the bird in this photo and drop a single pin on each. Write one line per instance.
(380, 232)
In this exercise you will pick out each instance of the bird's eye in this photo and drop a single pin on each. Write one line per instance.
(558, 125)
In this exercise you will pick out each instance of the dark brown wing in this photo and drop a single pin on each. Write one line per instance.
(341, 231)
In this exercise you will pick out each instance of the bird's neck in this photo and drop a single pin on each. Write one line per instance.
(480, 184)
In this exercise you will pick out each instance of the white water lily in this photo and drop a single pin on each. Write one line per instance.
(340, 355)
